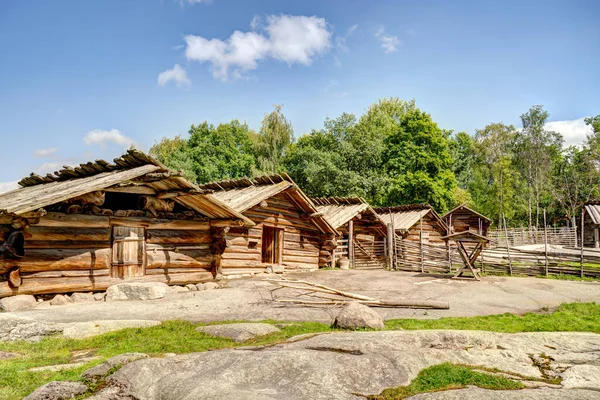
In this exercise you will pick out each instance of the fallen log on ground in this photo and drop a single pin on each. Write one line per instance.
(335, 297)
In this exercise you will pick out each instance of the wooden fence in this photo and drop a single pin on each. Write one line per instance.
(366, 254)
(428, 258)
(565, 236)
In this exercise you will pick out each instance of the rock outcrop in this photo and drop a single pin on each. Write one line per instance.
(239, 332)
(137, 291)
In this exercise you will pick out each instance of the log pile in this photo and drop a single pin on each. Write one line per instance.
(310, 294)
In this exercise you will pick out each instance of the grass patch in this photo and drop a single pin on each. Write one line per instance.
(447, 376)
(572, 317)
(16, 381)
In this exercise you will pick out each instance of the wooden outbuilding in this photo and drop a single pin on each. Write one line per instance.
(288, 230)
(86, 228)
(465, 219)
(363, 232)
(413, 221)
(591, 224)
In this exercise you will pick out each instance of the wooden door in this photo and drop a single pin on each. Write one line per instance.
(272, 245)
(128, 252)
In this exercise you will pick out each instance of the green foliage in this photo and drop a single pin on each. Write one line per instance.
(276, 135)
(447, 376)
(174, 153)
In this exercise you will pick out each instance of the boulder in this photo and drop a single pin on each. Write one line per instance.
(191, 287)
(82, 297)
(179, 289)
(21, 328)
(99, 371)
(137, 291)
(18, 302)
(239, 332)
(58, 390)
(356, 316)
(200, 286)
(100, 296)
(80, 330)
(275, 269)
(211, 285)
(59, 300)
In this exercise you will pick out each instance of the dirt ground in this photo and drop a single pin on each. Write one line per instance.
(247, 299)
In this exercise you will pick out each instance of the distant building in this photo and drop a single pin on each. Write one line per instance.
(463, 218)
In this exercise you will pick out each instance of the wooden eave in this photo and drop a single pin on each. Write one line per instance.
(464, 207)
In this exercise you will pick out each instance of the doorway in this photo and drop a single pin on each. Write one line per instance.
(272, 245)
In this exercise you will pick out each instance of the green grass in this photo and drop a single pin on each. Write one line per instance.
(573, 317)
(447, 376)
(169, 337)
(180, 337)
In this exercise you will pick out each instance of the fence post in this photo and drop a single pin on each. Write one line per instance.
(351, 243)
(390, 245)
(510, 267)
(581, 254)
(421, 242)
(545, 243)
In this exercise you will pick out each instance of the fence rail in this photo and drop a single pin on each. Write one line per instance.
(566, 236)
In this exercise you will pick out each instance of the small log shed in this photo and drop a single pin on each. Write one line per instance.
(288, 230)
(591, 224)
(463, 218)
(88, 227)
(364, 232)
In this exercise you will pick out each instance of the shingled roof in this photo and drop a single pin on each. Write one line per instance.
(593, 210)
(405, 216)
(339, 210)
(132, 169)
(245, 193)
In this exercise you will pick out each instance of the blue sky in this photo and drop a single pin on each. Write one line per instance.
(82, 80)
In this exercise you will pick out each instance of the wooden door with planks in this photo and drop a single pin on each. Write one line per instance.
(128, 252)
(272, 245)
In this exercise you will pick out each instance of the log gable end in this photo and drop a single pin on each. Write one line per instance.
(301, 243)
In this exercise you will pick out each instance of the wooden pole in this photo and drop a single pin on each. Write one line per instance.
(393, 242)
(390, 245)
(421, 242)
(581, 254)
(510, 266)
(545, 243)
(351, 242)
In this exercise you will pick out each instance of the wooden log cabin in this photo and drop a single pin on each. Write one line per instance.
(465, 219)
(413, 221)
(86, 228)
(591, 224)
(288, 230)
(363, 231)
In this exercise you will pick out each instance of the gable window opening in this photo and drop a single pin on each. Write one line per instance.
(272, 245)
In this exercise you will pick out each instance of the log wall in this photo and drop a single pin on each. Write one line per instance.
(301, 238)
(589, 232)
(432, 231)
(72, 252)
(464, 220)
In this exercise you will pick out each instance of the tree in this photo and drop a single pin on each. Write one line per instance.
(419, 163)
(537, 150)
(174, 153)
(275, 136)
(462, 150)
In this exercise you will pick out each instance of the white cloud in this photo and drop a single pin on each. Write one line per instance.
(102, 137)
(287, 38)
(8, 186)
(175, 74)
(340, 41)
(43, 153)
(574, 131)
(388, 43)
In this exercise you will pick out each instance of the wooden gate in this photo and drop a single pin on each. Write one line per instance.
(128, 252)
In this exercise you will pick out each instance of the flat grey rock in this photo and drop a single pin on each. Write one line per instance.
(80, 330)
(239, 332)
(82, 297)
(582, 376)
(137, 291)
(58, 390)
(18, 302)
(99, 371)
(339, 365)
(14, 327)
(524, 394)
(355, 316)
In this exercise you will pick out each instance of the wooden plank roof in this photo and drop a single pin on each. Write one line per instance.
(132, 169)
(405, 216)
(593, 210)
(339, 210)
(243, 194)
(463, 207)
